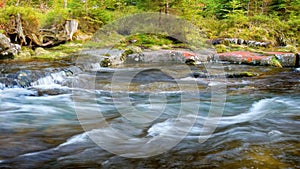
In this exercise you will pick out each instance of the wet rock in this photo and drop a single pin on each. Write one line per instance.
(8, 49)
(19, 79)
(126, 53)
(241, 74)
(227, 75)
(106, 62)
(51, 92)
(190, 62)
(200, 75)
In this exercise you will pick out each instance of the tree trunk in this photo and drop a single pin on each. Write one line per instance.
(20, 32)
(65, 3)
(167, 7)
(248, 8)
(71, 27)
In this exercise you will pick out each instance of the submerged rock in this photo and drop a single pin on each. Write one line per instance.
(241, 74)
(227, 75)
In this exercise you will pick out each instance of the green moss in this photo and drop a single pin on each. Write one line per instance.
(126, 53)
(67, 48)
(241, 74)
(288, 48)
(148, 41)
(221, 48)
(275, 62)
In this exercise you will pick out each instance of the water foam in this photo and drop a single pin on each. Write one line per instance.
(79, 138)
(53, 78)
(158, 128)
(258, 110)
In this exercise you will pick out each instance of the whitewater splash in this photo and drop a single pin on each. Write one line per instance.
(257, 111)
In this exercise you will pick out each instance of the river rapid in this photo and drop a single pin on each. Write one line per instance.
(40, 126)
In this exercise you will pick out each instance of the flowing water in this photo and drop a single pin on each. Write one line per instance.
(39, 122)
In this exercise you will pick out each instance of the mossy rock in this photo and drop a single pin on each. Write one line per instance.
(241, 74)
(134, 49)
(25, 53)
(106, 62)
(190, 62)
(126, 53)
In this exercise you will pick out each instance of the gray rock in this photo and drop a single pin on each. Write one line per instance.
(287, 59)
(8, 49)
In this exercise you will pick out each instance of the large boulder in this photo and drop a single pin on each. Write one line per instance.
(162, 56)
(286, 59)
(243, 57)
(8, 49)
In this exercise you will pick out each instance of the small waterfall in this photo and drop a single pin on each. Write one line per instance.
(57, 77)
(2, 86)
(96, 66)
(91, 66)
(53, 78)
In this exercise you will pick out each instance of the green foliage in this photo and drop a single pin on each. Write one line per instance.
(54, 17)
(277, 21)
(148, 40)
(221, 48)
(31, 18)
